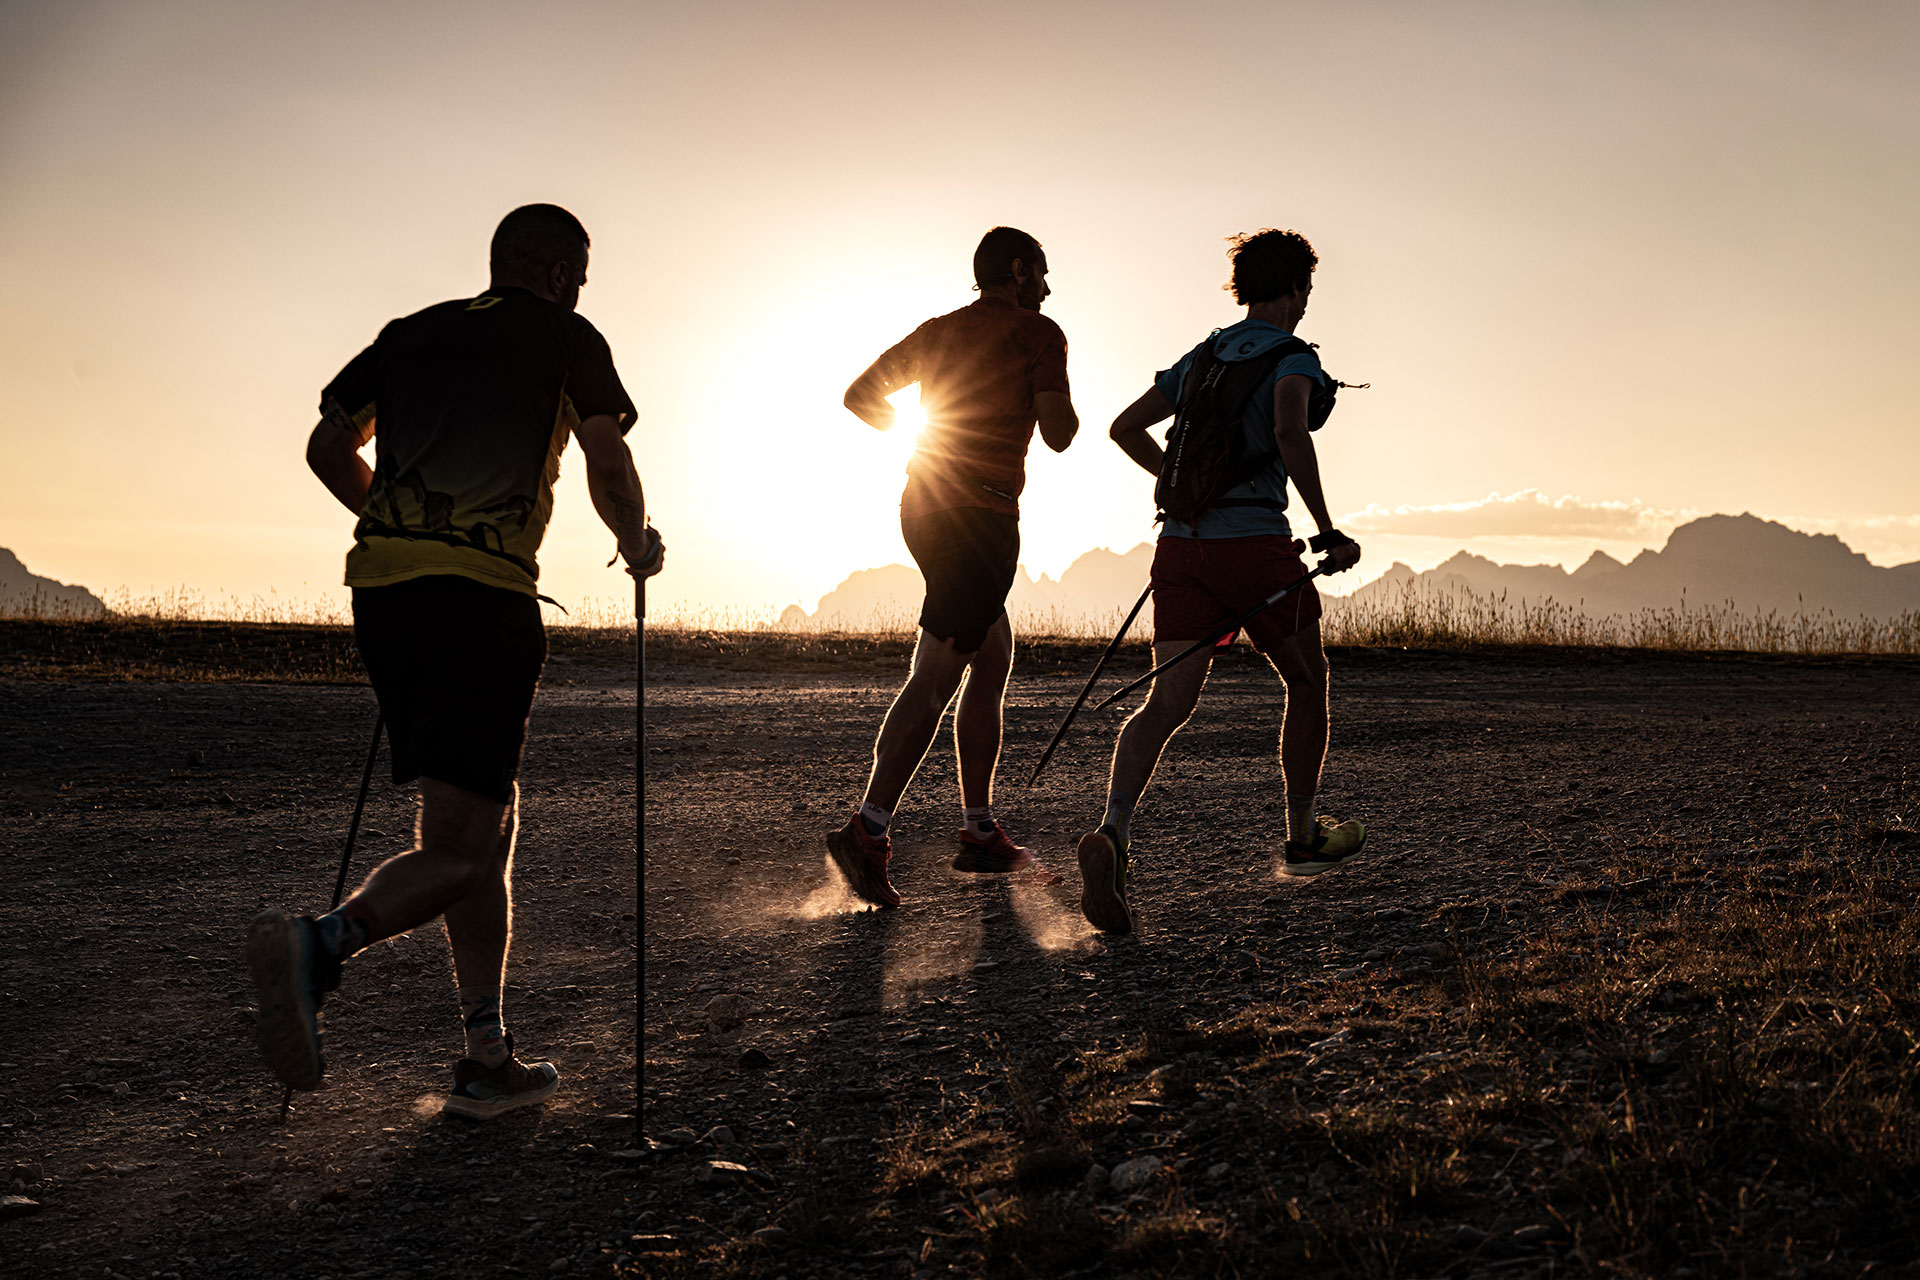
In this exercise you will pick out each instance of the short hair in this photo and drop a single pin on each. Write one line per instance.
(532, 238)
(1268, 264)
(993, 260)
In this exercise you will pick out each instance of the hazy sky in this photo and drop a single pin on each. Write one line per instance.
(1607, 265)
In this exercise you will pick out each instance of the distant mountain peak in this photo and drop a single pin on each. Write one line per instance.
(1596, 564)
(24, 593)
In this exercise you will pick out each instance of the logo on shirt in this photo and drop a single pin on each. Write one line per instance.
(484, 301)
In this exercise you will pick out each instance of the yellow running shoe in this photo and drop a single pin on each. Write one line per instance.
(1335, 843)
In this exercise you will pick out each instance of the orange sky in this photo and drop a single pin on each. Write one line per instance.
(1606, 265)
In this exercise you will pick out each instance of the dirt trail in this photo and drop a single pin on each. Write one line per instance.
(144, 823)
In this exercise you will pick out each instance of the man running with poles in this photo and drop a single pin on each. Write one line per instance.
(1225, 545)
(987, 373)
(469, 404)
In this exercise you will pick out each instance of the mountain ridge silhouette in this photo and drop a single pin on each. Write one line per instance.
(1756, 564)
(24, 593)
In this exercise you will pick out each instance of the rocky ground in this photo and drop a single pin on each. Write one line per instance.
(1618, 985)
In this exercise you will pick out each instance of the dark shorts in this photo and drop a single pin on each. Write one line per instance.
(454, 663)
(1200, 585)
(968, 555)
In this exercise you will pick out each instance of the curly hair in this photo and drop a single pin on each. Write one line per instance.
(1268, 264)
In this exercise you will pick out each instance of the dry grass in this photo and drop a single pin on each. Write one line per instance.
(184, 636)
(1432, 619)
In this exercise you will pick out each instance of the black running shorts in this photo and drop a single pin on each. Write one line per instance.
(454, 663)
(968, 555)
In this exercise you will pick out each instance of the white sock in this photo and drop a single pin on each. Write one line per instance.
(875, 819)
(978, 822)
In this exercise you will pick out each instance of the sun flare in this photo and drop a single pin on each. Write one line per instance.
(908, 416)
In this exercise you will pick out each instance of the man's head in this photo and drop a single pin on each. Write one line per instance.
(543, 249)
(1011, 261)
(1269, 265)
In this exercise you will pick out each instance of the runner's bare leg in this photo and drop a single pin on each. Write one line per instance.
(914, 719)
(1170, 702)
(480, 925)
(1302, 664)
(457, 849)
(977, 720)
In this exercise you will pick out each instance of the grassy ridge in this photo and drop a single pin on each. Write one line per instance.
(172, 649)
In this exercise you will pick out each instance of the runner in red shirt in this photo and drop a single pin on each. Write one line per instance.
(987, 373)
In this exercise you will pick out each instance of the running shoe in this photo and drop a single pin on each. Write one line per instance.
(291, 975)
(481, 1092)
(1334, 844)
(862, 859)
(1103, 881)
(996, 854)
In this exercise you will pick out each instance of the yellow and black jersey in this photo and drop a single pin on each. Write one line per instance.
(470, 404)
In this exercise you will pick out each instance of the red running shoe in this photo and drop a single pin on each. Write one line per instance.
(862, 859)
(998, 855)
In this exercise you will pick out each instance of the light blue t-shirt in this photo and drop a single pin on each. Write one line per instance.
(1246, 340)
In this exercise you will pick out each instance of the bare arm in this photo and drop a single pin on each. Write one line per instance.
(1129, 430)
(1302, 462)
(615, 488)
(867, 397)
(333, 453)
(1059, 424)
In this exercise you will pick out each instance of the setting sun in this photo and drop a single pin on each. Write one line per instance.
(909, 417)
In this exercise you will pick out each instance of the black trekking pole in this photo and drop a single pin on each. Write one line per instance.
(640, 865)
(1087, 688)
(1227, 630)
(346, 855)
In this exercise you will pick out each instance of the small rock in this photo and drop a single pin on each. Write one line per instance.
(716, 1171)
(725, 1012)
(558, 1265)
(679, 1137)
(772, 1237)
(1468, 1236)
(754, 1060)
(196, 757)
(582, 1046)
(651, 1244)
(1218, 1171)
(122, 1089)
(17, 1207)
(720, 1136)
(1131, 1175)
(1097, 1178)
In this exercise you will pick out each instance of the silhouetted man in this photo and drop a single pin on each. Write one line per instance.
(1237, 550)
(469, 404)
(987, 373)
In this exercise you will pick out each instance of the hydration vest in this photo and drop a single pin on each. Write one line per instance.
(1208, 453)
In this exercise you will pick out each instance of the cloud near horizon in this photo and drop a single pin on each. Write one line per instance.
(1528, 513)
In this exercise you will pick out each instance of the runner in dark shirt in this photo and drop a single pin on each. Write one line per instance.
(988, 373)
(469, 405)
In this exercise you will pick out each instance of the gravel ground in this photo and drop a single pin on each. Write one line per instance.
(802, 1055)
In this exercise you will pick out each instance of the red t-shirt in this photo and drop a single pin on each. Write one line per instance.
(979, 369)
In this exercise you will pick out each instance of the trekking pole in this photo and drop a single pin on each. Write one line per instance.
(346, 855)
(640, 865)
(1227, 630)
(1087, 688)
